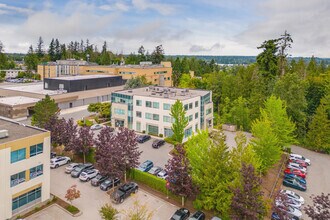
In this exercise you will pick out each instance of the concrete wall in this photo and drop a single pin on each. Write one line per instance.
(7, 193)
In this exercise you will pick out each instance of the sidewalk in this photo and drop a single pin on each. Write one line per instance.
(72, 110)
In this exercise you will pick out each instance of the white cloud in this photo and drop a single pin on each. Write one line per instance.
(115, 6)
(7, 9)
(199, 48)
(162, 8)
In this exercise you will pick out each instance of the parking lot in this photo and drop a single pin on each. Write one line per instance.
(92, 198)
(318, 175)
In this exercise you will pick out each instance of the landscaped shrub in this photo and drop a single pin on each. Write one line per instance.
(171, 141)
(85, 122)
(153, 134)
(72, 209)
(161, 135)
(143, 132)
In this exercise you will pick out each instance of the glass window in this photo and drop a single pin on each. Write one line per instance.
(186, 107)
(148, 104)
(196, 104)
(138, 126)
(166, 106)
(18, 155)
(17, 178)
(36, 149)
(155, 117)
(138, 102)
(152, 129)
(166, 118)
(196, 127)
(36, 171)
(148, 115)
(155, 104)
(26, 198)
(188, 132)
(190, 105)
(119, 111)
(168, 132)
(139, 114)
(190, 117)
(208, 111)
(196, 115)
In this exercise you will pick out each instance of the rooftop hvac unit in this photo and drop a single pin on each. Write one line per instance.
(153, 93)
(4, 133)
(129, 91)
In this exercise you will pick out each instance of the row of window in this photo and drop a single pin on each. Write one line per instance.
(190, 106)
(119, 111)
(26, 198)
(20, 177)
(150, 104)
(154, 117)
(20, 154)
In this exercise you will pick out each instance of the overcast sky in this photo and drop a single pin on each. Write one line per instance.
(201, 27)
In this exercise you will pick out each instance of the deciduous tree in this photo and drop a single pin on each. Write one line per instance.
(247, 202)
(136, 82)
(72, 193)
(180, 121)
(108, 212)
(83, 142)
(320, 209)
(138, 212)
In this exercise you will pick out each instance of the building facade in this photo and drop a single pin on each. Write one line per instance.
(24, 167)
(148, 109)
(156, 74)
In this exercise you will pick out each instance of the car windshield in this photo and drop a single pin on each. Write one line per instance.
(78, 169)
(176, 216)
(143, 165)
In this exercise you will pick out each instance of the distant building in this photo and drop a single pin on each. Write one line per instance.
(157, 74)
(24, 168)
(12, 73)
(148, 109)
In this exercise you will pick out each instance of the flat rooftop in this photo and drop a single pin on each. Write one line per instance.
(17, 100)
(37, 88)
(164, 92)
(80, 77)
(17, 130)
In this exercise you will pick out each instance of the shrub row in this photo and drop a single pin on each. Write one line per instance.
(148, 179)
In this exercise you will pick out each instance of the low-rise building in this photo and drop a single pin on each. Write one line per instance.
(156, 74)
(24, 167)
(148, 109)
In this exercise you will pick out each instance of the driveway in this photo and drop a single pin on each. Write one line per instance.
(318, 174)
(92, 198)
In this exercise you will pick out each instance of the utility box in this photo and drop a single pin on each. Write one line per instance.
(4, 133)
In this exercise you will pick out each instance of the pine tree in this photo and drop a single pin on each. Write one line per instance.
(58, 51)
(51, 50)
(44, 110)
(40, 48)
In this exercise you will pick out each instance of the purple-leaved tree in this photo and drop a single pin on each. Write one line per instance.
(280, 205)
(83, 142)
(320, 209)
(55, 126)
(247, 202)
(69, 132)
(178, 170)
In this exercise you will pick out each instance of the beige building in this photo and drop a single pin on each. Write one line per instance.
(24, 167)
(157, 74)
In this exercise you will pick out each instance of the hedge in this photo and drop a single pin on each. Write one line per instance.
(148, 179)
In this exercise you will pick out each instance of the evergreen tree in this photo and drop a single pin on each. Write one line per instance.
(58, 50)
(180, 121)
(177, 73)
(51, 50)
(267, 60)
(44, 110)
(141, 53)
(64, 55)
(158, 54)
(31, 60)
(40, 48)
(284, 43)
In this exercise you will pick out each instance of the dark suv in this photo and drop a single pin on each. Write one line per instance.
(143, 138)
(123, 192)
(81, 168)
(109, 183)
(199, 215)
(146, 166)
(158, 143)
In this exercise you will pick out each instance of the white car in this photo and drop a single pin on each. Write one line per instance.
(70, 167)
(96, 127)
(290, 202)
(59, 161)
(292, 195)
(297, 166)
(88, 174)
(162, 174)
(291, 211)
(299, 157)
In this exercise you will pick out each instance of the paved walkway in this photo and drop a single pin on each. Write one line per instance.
(53, 212)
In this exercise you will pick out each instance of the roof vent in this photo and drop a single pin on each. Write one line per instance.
(129, 91)
(4, 134)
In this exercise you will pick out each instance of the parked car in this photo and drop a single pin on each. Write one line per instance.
(59, 161)
(143, 138)
(290, 202)
(109, 183)
(294, 184)
(155, 170)
(296, 172)
(199, 215)
(75, 173)
(96, 181)
(158, 143)
(162, 174)
(180, 214)
(146, 166)
(300, 162)
(275, 216)
(96, 127)
(71, 166)
(124, 191)
(297, 166)
(215, 218)
(295, 213)
(293, 176)
(300, 157)
(52, 155)
(88, 174)
(292, 195)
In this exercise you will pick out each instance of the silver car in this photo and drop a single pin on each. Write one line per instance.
(70, 167)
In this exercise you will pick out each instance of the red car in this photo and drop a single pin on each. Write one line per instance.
(300, 162)
(295, 172)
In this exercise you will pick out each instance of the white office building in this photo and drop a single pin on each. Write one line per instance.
(148, 109)
(24, 167)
